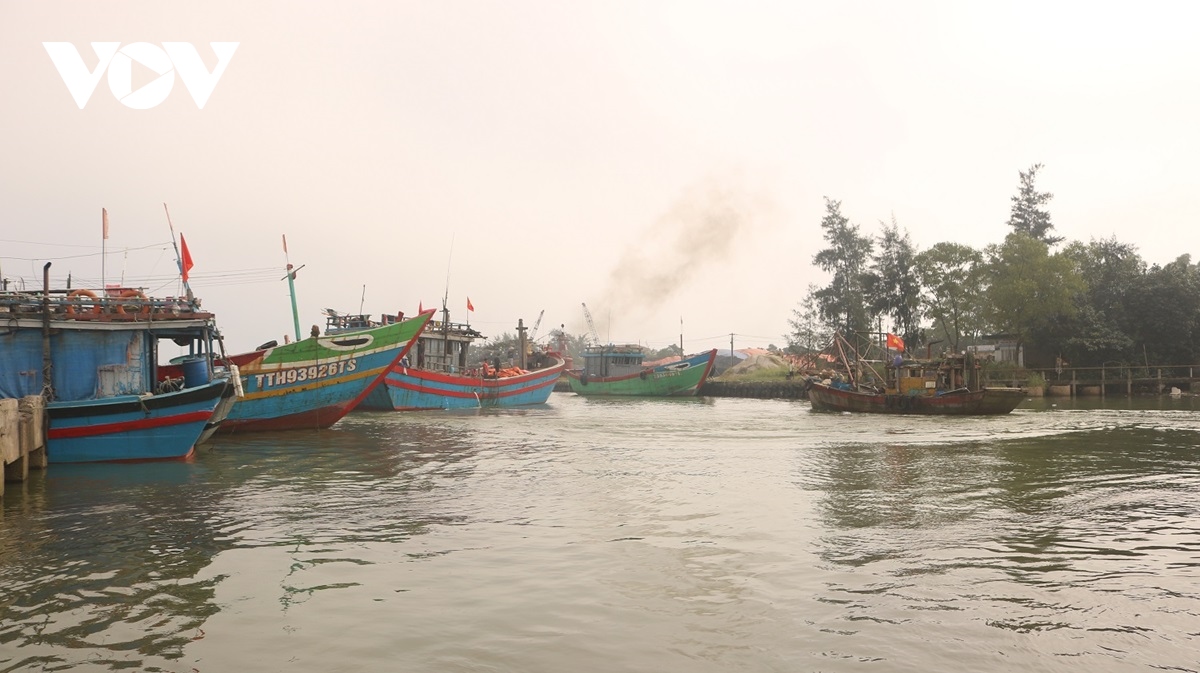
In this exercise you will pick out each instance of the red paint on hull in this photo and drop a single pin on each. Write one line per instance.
(317, 419)
(127, 426)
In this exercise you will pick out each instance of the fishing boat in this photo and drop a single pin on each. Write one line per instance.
(93, 355)
(948, 386)
(436, 374)
(312, 383)
(618, 370)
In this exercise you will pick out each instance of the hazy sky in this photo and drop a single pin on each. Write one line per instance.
(656, 160)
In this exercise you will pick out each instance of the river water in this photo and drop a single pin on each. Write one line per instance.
(651, 535)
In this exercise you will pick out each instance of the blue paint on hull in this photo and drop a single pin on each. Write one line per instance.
(410, 389)
(131, 427)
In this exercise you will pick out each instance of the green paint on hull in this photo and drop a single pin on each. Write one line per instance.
(338, 346)
(657, 383)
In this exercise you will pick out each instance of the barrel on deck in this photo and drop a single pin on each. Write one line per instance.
(195, 372)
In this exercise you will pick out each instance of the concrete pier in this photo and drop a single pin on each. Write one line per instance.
(22, 437)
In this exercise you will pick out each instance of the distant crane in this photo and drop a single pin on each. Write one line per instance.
(591, 325)
(536, 324)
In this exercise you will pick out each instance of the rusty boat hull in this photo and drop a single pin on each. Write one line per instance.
(984, 402)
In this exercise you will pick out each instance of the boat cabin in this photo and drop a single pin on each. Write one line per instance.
(96, 348)
(916, 377)
(613, 360)
(443, 347)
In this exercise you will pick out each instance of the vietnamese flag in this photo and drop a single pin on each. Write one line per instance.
(895, 343)
(470, 307)
(185, 263)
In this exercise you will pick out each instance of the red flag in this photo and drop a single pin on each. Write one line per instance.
(469, 306)
(895, 343)
(285, 244)
(104, 216)
(185, 263)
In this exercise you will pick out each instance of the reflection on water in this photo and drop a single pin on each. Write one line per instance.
(633, 535)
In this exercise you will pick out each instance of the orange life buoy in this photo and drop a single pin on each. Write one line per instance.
(71, 299)
(142, 307)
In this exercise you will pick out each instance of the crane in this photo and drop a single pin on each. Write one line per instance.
(591, 325)
(536, 324)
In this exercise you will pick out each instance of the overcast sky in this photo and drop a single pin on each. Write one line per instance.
(657, 160)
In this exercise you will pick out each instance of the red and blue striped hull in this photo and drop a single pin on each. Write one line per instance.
(131, 427)
(411, 389)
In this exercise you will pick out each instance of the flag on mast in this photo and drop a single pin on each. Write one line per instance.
(104, 217)
(185, 263)
(470, 307)
(895, 343)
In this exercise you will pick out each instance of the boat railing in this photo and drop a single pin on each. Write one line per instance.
(113, 304)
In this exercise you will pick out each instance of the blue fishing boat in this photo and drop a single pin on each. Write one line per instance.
(93, 355)
(437, 375)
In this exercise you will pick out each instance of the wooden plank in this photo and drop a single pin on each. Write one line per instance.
(33, 430)
(10, 442)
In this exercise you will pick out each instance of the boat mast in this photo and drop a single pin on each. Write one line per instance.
(291, 279)
(178, 258)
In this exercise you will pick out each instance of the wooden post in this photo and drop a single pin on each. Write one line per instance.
(1128, 382)
(1102, 377)
(1160, 385)
(33, 430)
(16, 463)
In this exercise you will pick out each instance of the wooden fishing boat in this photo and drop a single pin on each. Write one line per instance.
(960, 402)
(618, 370)
(93, 354)
(436, 375)
(950, 386)
(314, 382)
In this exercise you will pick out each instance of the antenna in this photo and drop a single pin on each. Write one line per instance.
(446, 295)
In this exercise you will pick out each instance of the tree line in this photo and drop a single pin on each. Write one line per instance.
(1089, 303)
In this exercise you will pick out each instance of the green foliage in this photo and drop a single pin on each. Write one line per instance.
(1165, 307)
(1028, 288)
(841, 303)
(893, 286)
(953, 279)
(1092, 303)
(1028, 214)
(809, 333)
(1035, 380)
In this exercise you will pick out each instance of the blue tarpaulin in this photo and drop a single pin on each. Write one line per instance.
(86, 364)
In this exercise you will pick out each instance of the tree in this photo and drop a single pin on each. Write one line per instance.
(1102, 330)
(809, 332)
(1028, 214)
(953, 279)
(841, 303)
(1165, 308)
(1028, 288)
(892, 286)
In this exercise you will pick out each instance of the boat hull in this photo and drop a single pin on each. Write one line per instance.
(412, 389)
(132, 427)
(676, 379)
(985, 402)
(312, 384)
